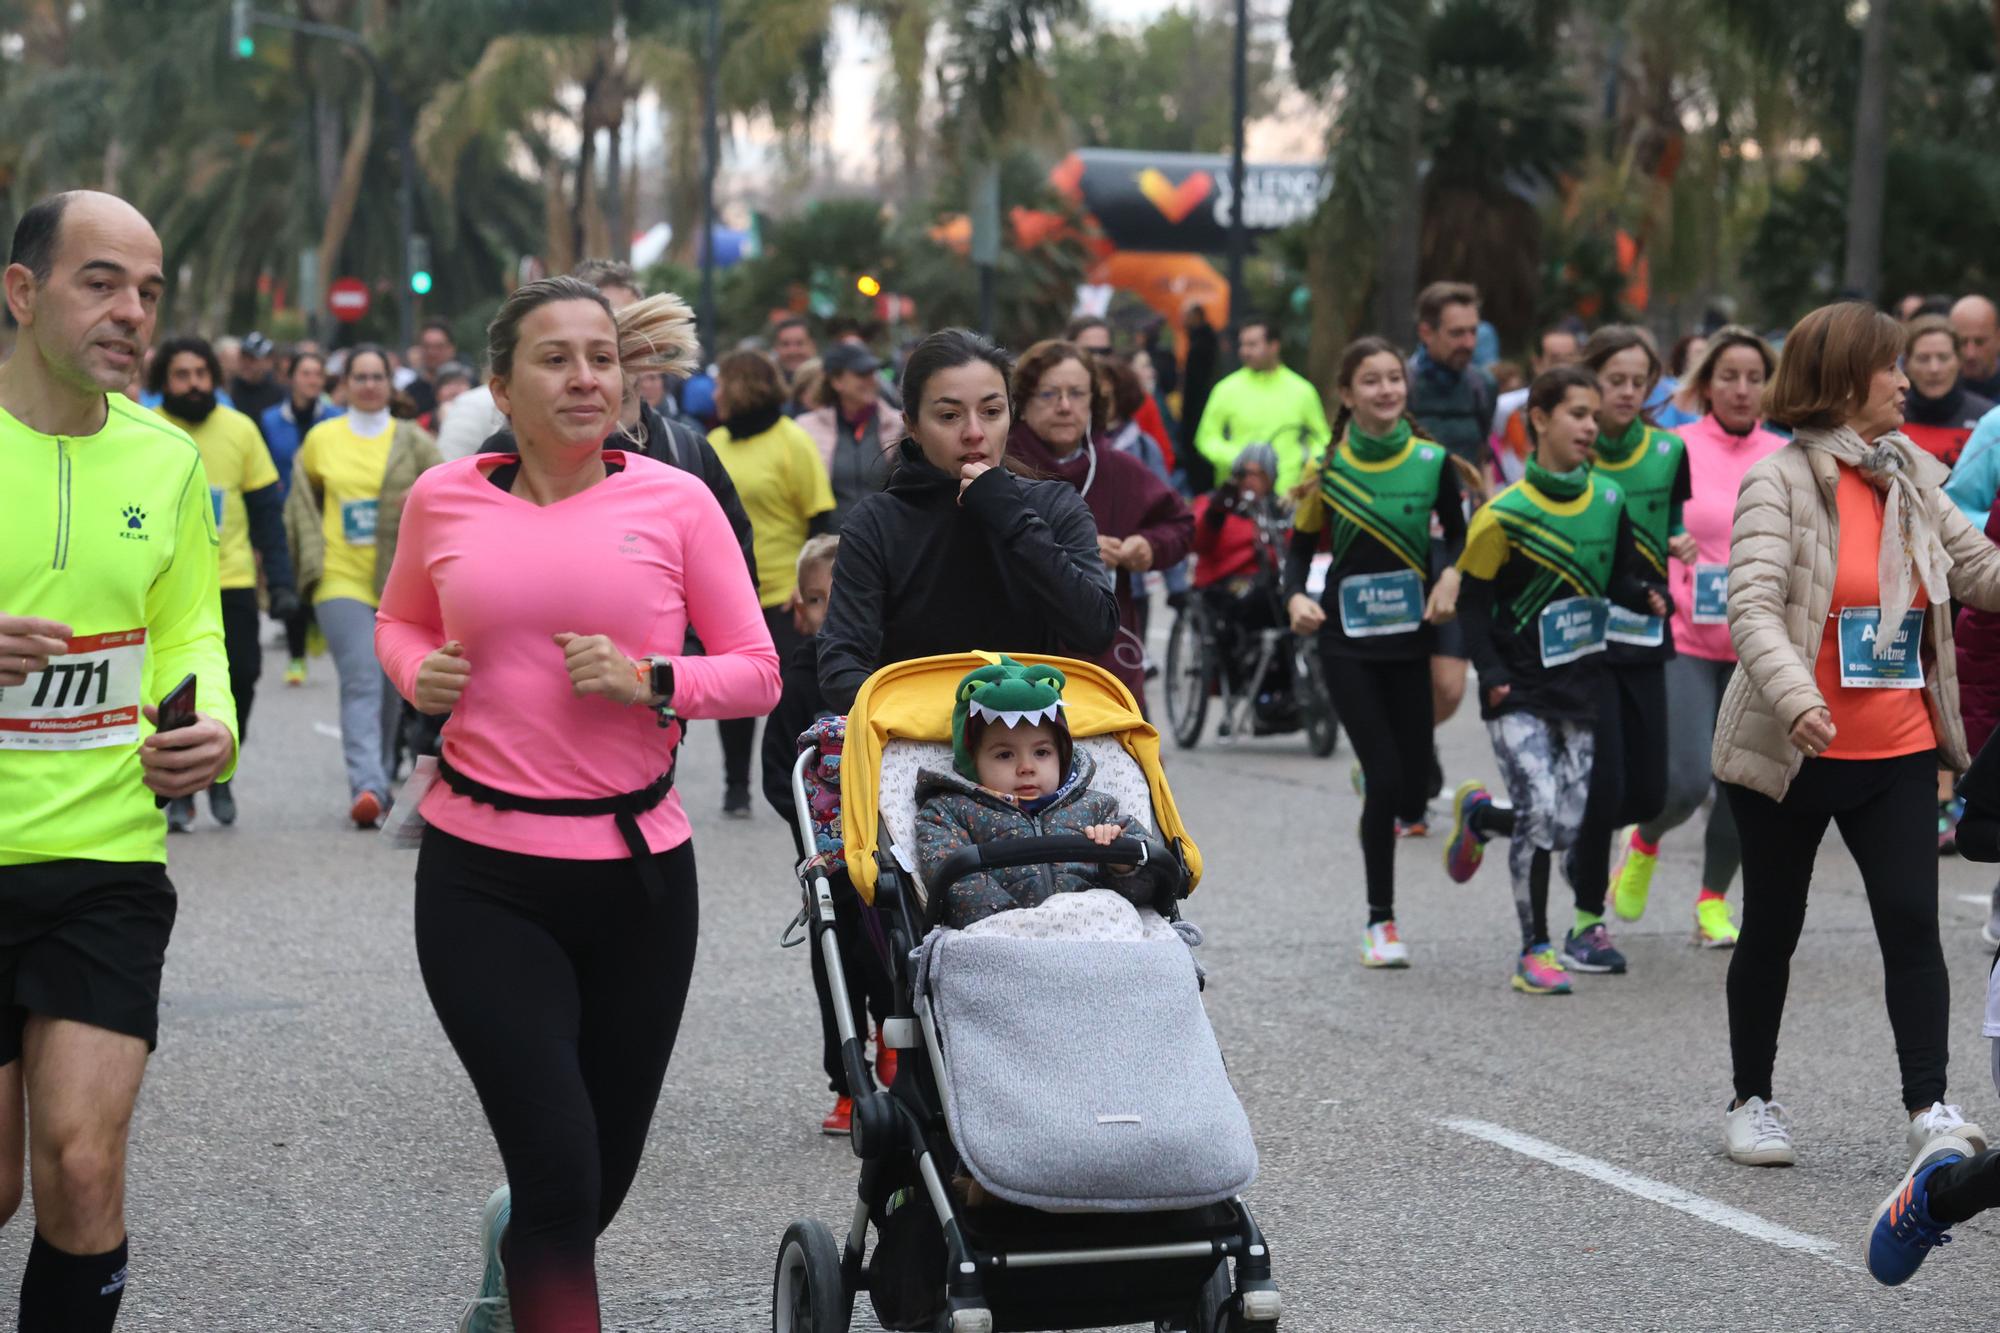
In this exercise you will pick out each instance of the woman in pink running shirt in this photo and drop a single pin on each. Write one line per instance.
(1728, 382)
(543, 600)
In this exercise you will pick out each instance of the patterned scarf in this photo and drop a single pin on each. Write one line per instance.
(1910, 541)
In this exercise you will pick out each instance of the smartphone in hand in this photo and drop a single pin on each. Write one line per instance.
(176, 711)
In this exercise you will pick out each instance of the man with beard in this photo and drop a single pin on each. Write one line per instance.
(1451, 399)
(249, 512)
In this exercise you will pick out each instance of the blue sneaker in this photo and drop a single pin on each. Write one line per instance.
(490, 1311)
(1902, 1235)
(1464, 849)
(1591, 950)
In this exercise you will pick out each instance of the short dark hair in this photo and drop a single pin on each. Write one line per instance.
(790, 322)
(1612, 339)
(1552, 386)
(297, 359)
(1253, 320)
(37, 233)
(602, 273)
(503, 335)
(442, 326)
(1828, 359)
(1083, 324)
(163, 359)
(1432, 300)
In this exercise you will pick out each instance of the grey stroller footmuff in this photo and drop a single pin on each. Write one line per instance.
(1082, 1075)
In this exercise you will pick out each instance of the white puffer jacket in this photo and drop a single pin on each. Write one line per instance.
(1784, 548)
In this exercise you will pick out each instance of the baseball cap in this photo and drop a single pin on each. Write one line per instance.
(849, 358)
(256, 344)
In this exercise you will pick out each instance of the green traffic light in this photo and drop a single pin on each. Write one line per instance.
(420, 283)
(246, 47)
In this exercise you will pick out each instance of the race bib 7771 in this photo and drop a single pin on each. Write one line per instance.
(86, 699)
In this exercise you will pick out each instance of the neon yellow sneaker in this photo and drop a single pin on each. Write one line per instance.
(295, 671)
(1633, 882)
(1712, 927)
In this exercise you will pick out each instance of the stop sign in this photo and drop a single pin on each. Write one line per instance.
(347, 298)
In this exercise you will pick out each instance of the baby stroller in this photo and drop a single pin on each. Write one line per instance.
(1001, 1198)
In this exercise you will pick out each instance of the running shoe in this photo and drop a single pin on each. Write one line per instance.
(367, 810)
(1413, 829)
(1941, 1121)
(840, 1120)
(736, 803)
(1903, 1235)
(295, 671)
(1381, 946)
(180, 814)
(1759, 1133)
(1591, 950)
(490, 1311)
(1712, 927)
(222, 803)
(885, 1060)
(1464, 849)
(1990, 932)
(1540, 972)
(1949, 813)
(1633, 881)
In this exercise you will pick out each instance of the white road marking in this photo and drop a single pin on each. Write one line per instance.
(327, 729)
(1655, 1191)
(1976, 899)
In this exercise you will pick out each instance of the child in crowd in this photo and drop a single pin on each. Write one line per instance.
(1542, 562)
(1017, 775)
(799, 708)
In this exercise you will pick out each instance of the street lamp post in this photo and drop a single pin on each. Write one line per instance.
(242, 16)
(1241, 113)
(711, 149)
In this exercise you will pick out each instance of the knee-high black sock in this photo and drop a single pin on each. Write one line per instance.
(1492, 821)
(71, 1293)
(1959, 1191)
(1538, 895)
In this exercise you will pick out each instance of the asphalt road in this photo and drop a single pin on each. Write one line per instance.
(308, 1155)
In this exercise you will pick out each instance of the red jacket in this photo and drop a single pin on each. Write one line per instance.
(1225, 549)
(1977, 639)
(1941, 426)
(1150, 421)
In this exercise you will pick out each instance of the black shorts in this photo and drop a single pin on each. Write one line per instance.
(1449, 638)
(83, 940)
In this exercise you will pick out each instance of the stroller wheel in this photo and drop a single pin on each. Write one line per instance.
(807, 1293)
(1208, 1312)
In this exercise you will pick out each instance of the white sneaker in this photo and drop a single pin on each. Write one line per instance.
(1942, 1118)
(1381, 946)
(1759, 1133)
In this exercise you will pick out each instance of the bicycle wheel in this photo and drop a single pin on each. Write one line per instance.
(1187, 676)
(1315, 704)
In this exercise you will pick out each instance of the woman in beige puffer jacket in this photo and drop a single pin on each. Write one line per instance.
(1824, 722)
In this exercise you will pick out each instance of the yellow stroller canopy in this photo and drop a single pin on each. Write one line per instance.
(912, 701)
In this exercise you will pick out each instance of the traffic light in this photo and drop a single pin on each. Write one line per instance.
(867, 286)
(420, 265)
(240, 39)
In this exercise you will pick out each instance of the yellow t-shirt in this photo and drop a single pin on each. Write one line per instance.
(347, 469)
(783, 484)
(236, 459)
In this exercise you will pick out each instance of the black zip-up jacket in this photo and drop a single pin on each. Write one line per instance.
(1011, 568)
(677, 444)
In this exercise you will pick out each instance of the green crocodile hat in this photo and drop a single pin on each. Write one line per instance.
(1010, 694)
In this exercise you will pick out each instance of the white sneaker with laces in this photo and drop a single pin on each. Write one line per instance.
(1942, 1118)
(1759, 1133)
(1381, 946)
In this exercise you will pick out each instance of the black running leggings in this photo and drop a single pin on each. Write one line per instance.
(1628, 772)
(560, 984)
(1886, 810)
(1386, 708)
(246, 656)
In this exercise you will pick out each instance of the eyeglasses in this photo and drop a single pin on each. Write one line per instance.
(1050, 397)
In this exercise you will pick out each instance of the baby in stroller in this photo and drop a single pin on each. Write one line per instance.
(1016, 774)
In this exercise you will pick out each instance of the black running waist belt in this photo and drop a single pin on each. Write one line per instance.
(624, 810)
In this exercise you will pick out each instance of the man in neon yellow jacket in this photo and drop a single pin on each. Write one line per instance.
(108, 599)
(1263, 402)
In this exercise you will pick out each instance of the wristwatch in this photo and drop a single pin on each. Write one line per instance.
(660, 680)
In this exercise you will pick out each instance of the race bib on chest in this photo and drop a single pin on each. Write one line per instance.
(1633, 629)
(1900, 667)
(1571, 628)
(1372, 604)
(357, 521)
(87, 699)
(1711, 595)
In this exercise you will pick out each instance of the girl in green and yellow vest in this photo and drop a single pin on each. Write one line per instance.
(1628, 781)
(342, 517)
(1544, 561)
(1374, 494)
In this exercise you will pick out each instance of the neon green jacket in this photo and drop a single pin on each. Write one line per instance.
(1276, 407)
(112, 534)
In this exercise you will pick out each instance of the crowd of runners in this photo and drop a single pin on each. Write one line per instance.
(1749, 580)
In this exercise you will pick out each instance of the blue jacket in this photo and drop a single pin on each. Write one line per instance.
(1976, 478)
(283, 434)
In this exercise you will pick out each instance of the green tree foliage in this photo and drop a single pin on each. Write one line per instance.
(1162, 86)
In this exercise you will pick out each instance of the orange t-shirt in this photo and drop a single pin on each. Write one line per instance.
(1868, 723)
